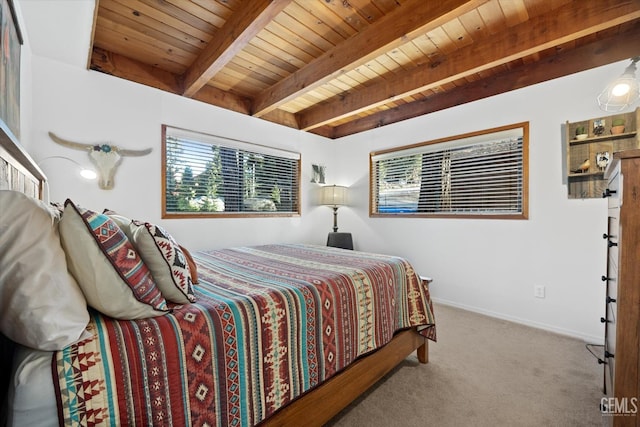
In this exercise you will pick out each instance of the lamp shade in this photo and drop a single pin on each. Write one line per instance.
(333, 195)
(622, 92)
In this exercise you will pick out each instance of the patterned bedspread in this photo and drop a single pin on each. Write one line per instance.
(270, 323)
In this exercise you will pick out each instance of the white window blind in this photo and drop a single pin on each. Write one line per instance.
(206, 175)
(481, 175)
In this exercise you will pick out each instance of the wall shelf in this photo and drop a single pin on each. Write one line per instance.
(600, 143)
(603, 138)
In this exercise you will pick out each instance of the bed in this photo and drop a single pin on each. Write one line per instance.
(272, 335)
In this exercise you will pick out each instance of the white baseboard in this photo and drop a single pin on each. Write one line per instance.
(592, 339)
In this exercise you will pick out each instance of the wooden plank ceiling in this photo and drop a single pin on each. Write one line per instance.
(339, 67)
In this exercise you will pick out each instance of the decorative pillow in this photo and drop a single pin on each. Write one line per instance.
(107, 267)
(41, 305)
(165, 259)
(193, 268)
(123, 222)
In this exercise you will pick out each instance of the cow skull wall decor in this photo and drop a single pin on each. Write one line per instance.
(105, 157)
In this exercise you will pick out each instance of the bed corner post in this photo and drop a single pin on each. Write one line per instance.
(423, 352)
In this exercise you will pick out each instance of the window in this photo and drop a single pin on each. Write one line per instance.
(210, 176)
(482, 174)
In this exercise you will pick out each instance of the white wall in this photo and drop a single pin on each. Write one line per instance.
(490, 266)
(91, 107)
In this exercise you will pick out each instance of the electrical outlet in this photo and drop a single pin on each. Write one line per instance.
(538, 291)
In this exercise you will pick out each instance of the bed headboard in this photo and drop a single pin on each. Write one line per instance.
(18, 171)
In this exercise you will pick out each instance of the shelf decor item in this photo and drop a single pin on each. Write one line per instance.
(617, 126)
(598, 127)
(602, 160)
(591, 145)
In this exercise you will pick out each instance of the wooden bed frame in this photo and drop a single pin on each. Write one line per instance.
(19, 172)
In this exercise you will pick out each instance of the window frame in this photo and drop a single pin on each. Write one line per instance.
(479, 136)
(263, 149)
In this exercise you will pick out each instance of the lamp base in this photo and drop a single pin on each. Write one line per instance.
(340, 240)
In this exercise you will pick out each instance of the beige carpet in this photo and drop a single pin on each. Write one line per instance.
(486, 372)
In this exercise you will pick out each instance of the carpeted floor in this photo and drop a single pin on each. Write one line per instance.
(486, 372)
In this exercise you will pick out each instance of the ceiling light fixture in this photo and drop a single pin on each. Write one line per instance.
(622, 92)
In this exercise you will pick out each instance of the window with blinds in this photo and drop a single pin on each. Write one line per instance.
(211, 176)
(482, 174)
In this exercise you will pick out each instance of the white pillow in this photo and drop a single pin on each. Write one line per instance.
(41, 305)
(107, 267)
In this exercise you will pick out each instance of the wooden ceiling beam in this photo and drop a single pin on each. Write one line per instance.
(598, 53)
(235, 34)
(569, 22)
(412, 19)
(138, 72)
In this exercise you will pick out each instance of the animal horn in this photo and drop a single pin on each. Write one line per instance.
(135, 153)
(70, 144)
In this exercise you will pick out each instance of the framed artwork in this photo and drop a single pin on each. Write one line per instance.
(318, 174)
(598, 127)
(10, 43)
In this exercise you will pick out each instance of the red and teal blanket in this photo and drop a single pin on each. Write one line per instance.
(270, 323)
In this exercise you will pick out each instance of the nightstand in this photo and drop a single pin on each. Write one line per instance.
(340, 240)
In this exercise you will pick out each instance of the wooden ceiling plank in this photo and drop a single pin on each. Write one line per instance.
(413, 53)
(306, 34)
(515, 11)
(473, 24)
(426, 46)
(183, 15)
(235, 81)
(390, 31)
(351, 79)
(457, 33)
(491, 14)
(275, 52)
(537, 34)
(442, 41)
(401, 59)
(237, 32)
(147, 21)
(284, 45)
(196, 15)
(313, 24)
(600, 52)
(348, 14)
(252, 77)
(141, 9)
(149, 55)
(135, 38)
(366, 9)
(294, 39)
(320, 11)
(124, 21)
(261, 63)
(389, 62)
(256, 68)
(282, 64)
(223, 9)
